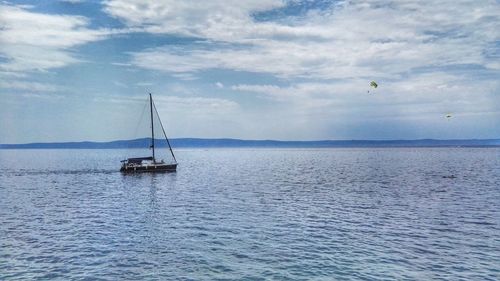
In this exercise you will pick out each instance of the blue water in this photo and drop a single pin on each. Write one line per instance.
(253, 214)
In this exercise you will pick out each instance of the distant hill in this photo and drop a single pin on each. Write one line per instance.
(195, 142)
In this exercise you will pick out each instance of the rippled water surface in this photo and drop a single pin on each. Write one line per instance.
(262, 214)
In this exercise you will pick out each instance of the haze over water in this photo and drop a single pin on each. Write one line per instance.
(253, 214)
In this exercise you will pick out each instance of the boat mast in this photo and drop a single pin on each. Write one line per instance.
(152, 128)
(165, 134)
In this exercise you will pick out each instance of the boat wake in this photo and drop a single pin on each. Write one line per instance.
(27, 172)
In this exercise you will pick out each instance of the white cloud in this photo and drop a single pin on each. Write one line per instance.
(352, 39)
(430, 57)
(196, 105)
(191, 17)
(11, 74)
(31, 41)
(421, 95)
(185, 76)
(121, 64)
(186, 104)
(72, 1)
(120, 84)
(30, 86)
(182, 116)
(281, 59)
(144, 84)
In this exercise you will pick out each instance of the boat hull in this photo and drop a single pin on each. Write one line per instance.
(152, 168)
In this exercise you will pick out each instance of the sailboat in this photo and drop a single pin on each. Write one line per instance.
(150, 163)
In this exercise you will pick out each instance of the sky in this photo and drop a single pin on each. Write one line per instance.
(258, 69)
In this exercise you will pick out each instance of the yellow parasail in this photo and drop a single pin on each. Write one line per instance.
(374, 85)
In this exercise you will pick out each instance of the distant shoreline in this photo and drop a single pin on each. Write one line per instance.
(239, 143)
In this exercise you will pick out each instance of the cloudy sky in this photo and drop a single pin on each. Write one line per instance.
(255, 69)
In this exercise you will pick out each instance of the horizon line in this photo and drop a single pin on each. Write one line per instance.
(254, 140)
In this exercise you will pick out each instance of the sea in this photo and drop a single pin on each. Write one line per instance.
(252, 214)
